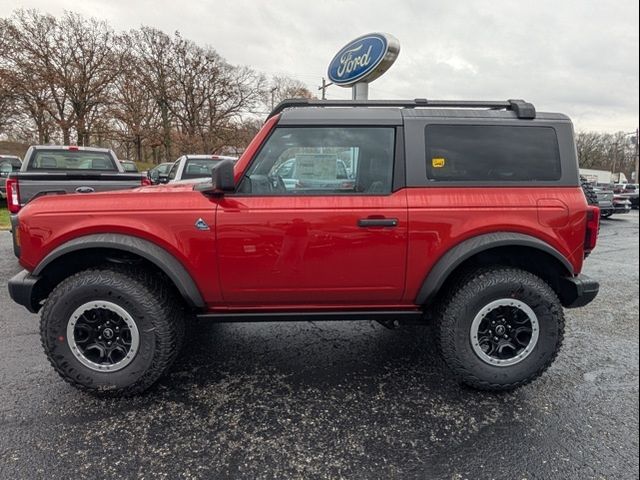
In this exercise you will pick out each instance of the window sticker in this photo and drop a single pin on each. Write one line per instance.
(438, 162)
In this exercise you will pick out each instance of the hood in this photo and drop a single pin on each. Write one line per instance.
(149, 198)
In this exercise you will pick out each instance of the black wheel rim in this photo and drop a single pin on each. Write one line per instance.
(103, 336)
(504, 332)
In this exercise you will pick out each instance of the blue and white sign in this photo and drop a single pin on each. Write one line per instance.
(364, 59)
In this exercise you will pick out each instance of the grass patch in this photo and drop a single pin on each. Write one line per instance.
(142, 166)
(4, 218)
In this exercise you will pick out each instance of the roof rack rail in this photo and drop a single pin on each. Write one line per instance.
(521, 108)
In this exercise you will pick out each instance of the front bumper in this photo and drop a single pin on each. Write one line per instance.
(22, 290)
(578, 291)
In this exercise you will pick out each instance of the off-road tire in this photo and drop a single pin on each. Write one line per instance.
(473, 291)
(151, 302)
(589, 193)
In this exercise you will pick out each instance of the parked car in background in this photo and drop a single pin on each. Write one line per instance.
(159, 173)
(51, 170)
(605, 202)
(630, 192)
(621, 204)
(129, 166)
(194, 167)
(8, 164)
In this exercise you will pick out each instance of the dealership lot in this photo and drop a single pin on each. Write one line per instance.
(332, 400)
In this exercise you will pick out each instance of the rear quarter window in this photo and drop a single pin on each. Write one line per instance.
(491, 153)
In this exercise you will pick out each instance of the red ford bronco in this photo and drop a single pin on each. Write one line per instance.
(468, 214)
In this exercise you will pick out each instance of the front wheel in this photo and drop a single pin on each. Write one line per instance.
(500, 328)
(112, 330)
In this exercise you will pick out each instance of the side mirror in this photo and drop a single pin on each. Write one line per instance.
(163, 178)
(154, 176)
(221, 180)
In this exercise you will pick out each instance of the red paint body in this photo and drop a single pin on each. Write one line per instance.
(307, 252)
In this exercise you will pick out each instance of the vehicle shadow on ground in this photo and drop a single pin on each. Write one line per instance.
(309, 354)
(300, 358)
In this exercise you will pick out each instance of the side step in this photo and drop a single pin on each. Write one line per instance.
(383, 316)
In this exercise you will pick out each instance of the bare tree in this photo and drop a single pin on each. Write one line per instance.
(134, 111)
(282, 88)
(91, 63)
(7, 101)
(31, 52)
(209, 96)
(606, 151)
(154, 49)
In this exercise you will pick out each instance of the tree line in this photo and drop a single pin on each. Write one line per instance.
(152, 96)
(148, 95)
(615, 152)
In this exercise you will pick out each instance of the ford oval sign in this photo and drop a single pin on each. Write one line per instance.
(364, 59)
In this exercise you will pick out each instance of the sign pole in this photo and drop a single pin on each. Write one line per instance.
(360, 91)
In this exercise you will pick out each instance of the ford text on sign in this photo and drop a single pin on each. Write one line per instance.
(363, 59)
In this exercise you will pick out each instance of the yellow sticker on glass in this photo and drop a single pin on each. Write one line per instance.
(437, 162)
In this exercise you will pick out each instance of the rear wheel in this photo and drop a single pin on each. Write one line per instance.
(112, 330)
(500, 328)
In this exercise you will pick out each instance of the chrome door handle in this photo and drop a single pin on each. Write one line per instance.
(85, 190)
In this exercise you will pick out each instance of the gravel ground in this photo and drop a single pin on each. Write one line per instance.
(336, 400)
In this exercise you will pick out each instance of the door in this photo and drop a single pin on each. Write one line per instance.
(315, 222)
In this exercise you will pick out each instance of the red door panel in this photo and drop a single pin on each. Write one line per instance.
(287, 250)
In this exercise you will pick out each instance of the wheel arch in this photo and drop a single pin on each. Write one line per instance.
(92, 250)
(507, 248)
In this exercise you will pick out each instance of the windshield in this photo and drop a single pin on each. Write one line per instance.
(72, 160)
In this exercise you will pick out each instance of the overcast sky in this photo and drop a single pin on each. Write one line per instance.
(575, 57)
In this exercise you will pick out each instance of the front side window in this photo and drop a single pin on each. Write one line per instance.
(323, 161)
(164, 168)
(72, 160)
(490, 153)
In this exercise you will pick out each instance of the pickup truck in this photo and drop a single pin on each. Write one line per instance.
(472, 220)
(8, 164)
(190, 168)
(50, 170)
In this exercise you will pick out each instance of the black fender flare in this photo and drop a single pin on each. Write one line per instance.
(472, 246)
(155, 254)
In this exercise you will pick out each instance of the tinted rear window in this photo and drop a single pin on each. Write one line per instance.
(488, 153)
(198, 168)
(72, 160)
